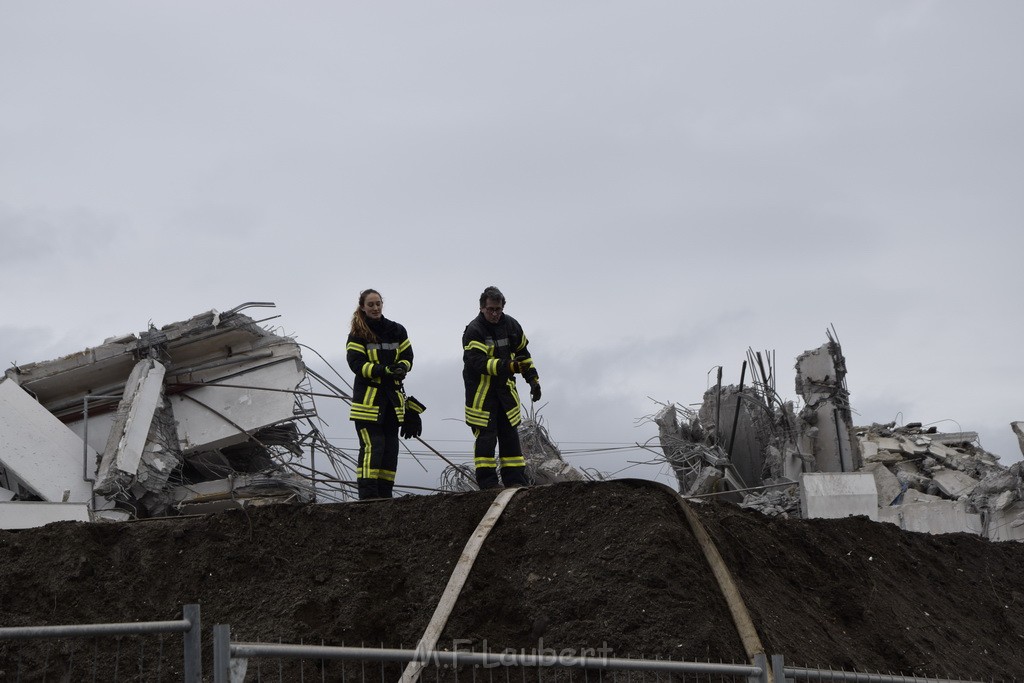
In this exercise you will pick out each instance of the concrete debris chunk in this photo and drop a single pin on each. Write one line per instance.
(954, 484)
(888, 486)
(1018, 429)
(706, 481)
(544, 462)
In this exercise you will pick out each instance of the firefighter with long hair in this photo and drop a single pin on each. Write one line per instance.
(380, 354)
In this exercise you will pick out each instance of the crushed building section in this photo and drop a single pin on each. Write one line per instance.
(747, 445)
(137, 423)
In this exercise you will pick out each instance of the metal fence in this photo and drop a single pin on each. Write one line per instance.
(230, 662)
(109, 670)
(330, 663)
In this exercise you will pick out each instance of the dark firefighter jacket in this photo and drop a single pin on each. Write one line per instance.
(373, 391)
(486, 352)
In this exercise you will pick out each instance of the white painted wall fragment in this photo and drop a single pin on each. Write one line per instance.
(40, 450)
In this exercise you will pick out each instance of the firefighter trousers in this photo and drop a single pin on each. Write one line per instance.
(378, 456)
(501, 435)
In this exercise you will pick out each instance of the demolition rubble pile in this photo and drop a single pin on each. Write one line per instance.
(195, 416)
(749, 446)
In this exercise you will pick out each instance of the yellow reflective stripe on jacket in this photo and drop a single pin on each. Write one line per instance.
(478, 418)
(355, 346)
(478, 346)
(367, 370)
(481, 393)
(492, 366)
(403, 346)
(364, 413)
(366, 410)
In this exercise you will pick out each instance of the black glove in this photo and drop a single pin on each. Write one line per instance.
(396, 371)
(535, 391)
(412, 426)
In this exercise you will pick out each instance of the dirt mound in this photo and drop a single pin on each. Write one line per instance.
(575, 565)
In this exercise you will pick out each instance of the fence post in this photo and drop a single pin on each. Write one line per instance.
(761, 660)
(779, 668)
(222, 653)
(193, 645)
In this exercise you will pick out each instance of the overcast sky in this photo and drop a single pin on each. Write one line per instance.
(656, 187)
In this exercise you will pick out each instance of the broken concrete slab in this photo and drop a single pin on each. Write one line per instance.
(836, 495)
(706, 481)
(1018, 429)
(913, 447)
(217, 414)
(1007, 524)
(237, 492)
(45, 458)
(127, 439)
(935, 517)
(954, 484)
(1004, 500)
(888, 486)
(30, 514)
(869, 449)
(885, 458)
(915, 496)
(885, 443)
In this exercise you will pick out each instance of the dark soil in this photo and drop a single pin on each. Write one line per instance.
(609, 565)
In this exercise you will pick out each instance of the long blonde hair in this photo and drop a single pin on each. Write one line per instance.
(360, 328)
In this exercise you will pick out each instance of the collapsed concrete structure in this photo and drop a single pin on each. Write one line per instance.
(748, 445)
(191, 417)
